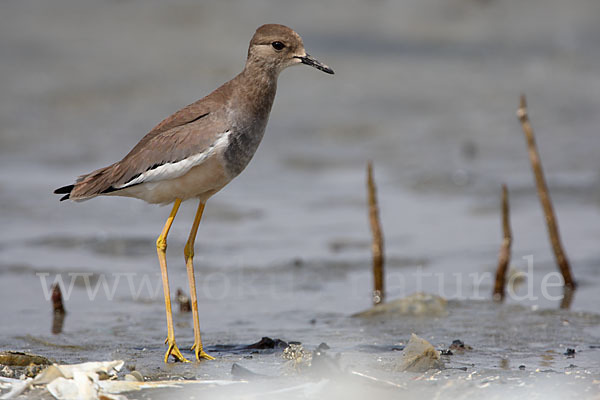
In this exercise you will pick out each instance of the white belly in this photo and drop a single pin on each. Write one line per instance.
(202, 181)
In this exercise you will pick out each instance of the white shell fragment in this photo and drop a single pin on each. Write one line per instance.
(84, 382)
(16, 386)
(66, 382)
(419, 356)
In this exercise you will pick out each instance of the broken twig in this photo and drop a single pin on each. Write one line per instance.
(58, 309)
(184, 301)
(57, 300)
(544, 195)
(377, 244)
(504, 256)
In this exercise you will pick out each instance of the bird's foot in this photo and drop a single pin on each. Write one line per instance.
(173, 350)
(200, 354)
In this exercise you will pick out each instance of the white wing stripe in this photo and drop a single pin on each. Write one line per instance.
(179, 168)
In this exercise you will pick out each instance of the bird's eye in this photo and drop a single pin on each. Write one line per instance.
(278, 46)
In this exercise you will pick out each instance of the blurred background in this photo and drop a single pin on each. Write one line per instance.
(427, 89)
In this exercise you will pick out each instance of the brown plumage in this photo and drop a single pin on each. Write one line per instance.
(240, 106)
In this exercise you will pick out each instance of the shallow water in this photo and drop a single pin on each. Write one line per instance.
(426, 90)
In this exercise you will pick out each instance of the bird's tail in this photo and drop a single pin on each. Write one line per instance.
(88, 186)
(66, 190)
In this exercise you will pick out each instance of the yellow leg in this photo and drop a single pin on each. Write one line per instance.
(161, 249)
(189, 262)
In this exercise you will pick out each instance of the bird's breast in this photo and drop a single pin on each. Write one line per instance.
(243, 142)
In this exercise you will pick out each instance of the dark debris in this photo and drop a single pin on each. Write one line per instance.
(570, 353)
(268, 343)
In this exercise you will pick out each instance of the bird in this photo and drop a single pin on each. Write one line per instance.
(198, 150)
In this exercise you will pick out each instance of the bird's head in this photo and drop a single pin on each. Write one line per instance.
(275, 47)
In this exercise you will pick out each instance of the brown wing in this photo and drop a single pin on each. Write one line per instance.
(189, 114)
(189, 131)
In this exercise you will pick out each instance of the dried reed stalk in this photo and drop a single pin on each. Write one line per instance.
(504, 256)
(567, 298)
(377, 244)
(544, 195)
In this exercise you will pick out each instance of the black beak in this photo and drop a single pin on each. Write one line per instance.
(313, 62)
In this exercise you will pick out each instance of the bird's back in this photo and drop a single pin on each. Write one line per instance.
(212, 139)
(173, 147)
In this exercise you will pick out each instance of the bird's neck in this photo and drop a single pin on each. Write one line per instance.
(255, 90)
